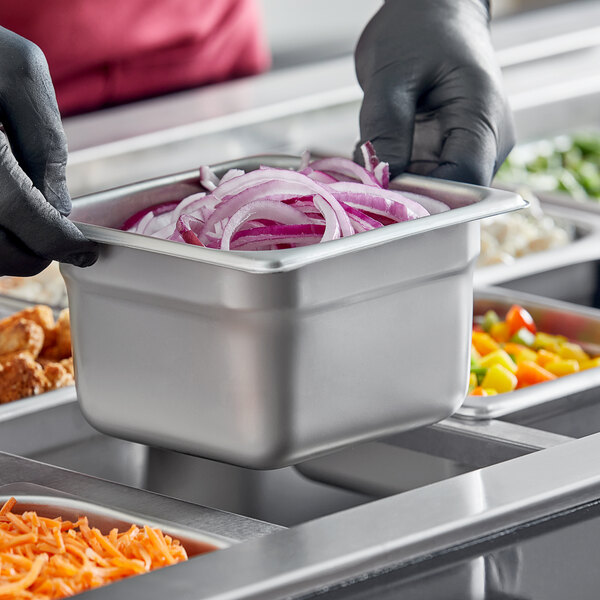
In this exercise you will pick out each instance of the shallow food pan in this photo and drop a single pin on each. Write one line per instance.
(579, 324)
(50, 503)
(31, 404)
(583, 248)
(263, 359)
(564, 200)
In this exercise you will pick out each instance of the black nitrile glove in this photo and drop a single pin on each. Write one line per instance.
(434, 102)
(34, 200)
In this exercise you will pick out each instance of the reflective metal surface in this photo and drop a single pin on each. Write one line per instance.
(579, 324)
(349, 545)
(256, 352)
(385, 534)
(110, 496)
(581, 254)
(51, 504)
(59, 435)
(423, 456)
(317, 108)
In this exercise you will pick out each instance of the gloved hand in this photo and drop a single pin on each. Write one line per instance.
(433, 97)
(34, 200)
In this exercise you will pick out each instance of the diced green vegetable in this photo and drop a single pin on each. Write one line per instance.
(567, 163)
(490, 318)
(479, 372)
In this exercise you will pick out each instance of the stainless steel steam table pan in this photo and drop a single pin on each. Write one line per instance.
(580, 324)
(264, 359)
(584, 248)
(564, 200)
(51, 503)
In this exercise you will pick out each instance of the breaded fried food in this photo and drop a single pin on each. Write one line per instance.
(40, 314)
(21, 376)
(57, 375)
(67, 363)
(62, 346)
(21, 335)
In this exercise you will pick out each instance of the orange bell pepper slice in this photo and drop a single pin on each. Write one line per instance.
(478, 391)
(484, 343)
(529, 373)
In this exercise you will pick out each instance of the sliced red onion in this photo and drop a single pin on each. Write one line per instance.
(176, 237)
(270, 208)
(360, 220)
(165, 231)
(332, 225)
(304, 160)
(382, 174)
(356, 194)
(291, 183)
(320, 176)
(261, 237)
(208, 178)
(157, 209)
(159, 222)
(369, 157)
(342, 168)
(261, 209)
(231, 174)
(186, 203)
(289, 178)
(185, 225)
(433, 206)
(144, 222)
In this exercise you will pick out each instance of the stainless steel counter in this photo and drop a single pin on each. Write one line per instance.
(351, 545)
(484, 478)
(14, 469)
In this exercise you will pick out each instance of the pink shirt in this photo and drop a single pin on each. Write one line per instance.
(103, 52)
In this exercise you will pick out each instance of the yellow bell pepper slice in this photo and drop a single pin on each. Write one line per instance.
(563, 367)
(500, 379)
(545, 357)
(500, 332)
(590, 364)
(569, 350)
(483, 342)
(498, 357)
(546, 341)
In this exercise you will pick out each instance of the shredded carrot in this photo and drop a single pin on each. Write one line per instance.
(8, 506)
(46, 559)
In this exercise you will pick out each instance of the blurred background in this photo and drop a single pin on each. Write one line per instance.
(328, 29)
(549, 52)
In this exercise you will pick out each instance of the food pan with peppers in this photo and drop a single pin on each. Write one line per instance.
(510, 353)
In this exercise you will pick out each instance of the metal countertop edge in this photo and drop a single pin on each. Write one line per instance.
(382, 534)
(14, 469)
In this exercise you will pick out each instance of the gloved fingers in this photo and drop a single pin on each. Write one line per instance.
(469, 126)
(31, 118)
(467, 156)
(387, 118)
(26, 214)
(506, 137)
(16, 260)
